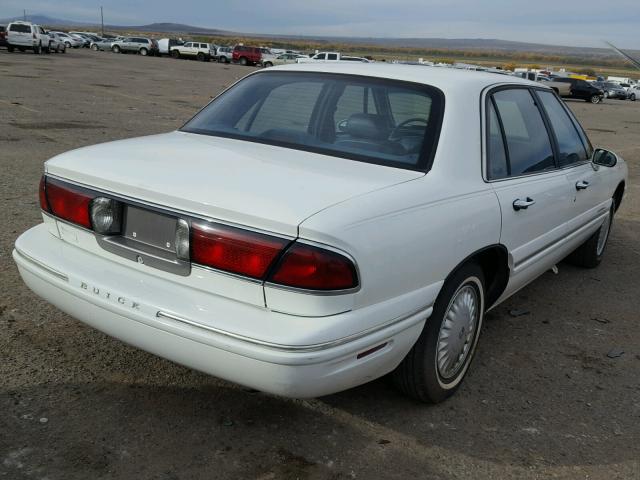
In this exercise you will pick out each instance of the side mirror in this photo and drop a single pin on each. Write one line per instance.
(342, 125)
(604, 157)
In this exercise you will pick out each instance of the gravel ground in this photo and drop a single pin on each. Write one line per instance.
(542, 399)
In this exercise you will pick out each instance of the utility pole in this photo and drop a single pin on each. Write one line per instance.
(102, 20)
(24, 14)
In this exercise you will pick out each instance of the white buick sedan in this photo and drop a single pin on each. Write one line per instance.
(318, 226)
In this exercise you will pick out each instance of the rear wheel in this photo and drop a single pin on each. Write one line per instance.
(143, 51)
(37, 50)
(94, 47)
(244, 61)
(438, 362)
(175, 53)
(594, 99)
(10, 48)
(268, 64)
(590, 253)
(62, 48)
(68, 44)
(632, 97)
(200, 56)
(115, 49)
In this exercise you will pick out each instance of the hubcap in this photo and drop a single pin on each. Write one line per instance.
(457, 332)
(604, 234)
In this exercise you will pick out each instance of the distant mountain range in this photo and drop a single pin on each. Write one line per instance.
(425, 43)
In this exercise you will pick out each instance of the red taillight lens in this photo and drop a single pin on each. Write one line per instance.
(313, 268)
(42, 193)
(233, 249)
(68, 202)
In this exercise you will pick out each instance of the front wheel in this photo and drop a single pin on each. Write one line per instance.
(68, 44)
(115, 49)
(37, 50)
(244, 61)
(590, 253)
(632, 97)
(436, 365)
(94, 47)
(268, 64)
(594, 99)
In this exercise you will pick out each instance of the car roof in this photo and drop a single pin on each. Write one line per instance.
(445, 79)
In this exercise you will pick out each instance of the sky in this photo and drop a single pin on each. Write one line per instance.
(560, 22)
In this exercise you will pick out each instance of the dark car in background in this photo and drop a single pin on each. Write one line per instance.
(3, 36)
(612, 90)
(577, 88)
(247, 55)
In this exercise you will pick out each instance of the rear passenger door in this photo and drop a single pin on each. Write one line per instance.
(534, 195)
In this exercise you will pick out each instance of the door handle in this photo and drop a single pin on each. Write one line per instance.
(519, 204)
(582, 185)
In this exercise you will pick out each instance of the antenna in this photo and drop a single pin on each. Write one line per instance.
(633, 61)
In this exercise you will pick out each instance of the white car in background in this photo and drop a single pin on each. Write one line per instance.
(56, 43)
(287, 58)
(326, 224)
(198, 50)
(27, 36)
(69, 40)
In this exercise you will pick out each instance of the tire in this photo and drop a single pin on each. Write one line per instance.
(632, 97)
(175, 54)
(62, 48)
(426, 374)
(244, 61)
(94, 47)
(67, 44)
(10, 48)
(268, 64)
(200, 56)
(606, 94)
(144, 52)
(37, 50)
(590, 253)
(595, 99)
(115, 49)
(22, 49)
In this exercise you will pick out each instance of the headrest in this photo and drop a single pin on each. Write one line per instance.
(367, 125)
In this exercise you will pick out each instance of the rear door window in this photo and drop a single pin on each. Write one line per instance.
(528, 144)
(570, 147)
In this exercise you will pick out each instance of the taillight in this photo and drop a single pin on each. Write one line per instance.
(313, 268)
(68, 202)
(106, 215)
(233, 249)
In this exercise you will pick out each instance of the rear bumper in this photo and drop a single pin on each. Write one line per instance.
(133, 307)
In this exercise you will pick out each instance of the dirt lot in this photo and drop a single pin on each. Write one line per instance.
(542, 400)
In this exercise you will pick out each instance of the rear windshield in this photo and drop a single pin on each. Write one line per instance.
(380, 121)
(18, 27)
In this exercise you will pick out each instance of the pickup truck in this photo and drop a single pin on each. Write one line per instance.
(575, 88)
(331, 57)
(202, 51)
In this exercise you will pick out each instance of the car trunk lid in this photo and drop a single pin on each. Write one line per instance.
(245, 183)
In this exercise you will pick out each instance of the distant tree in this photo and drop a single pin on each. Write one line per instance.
(587, 71)
(509, 66)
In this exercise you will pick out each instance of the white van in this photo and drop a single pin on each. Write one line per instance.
(27, 36)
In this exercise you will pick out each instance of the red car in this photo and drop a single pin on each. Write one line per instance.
(246, 55)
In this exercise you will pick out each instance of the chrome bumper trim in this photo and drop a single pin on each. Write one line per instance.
(300, 348)
(41, 265)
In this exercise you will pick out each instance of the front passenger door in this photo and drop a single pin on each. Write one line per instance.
(534, 195)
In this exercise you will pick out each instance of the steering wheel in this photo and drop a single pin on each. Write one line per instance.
(405, 123)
